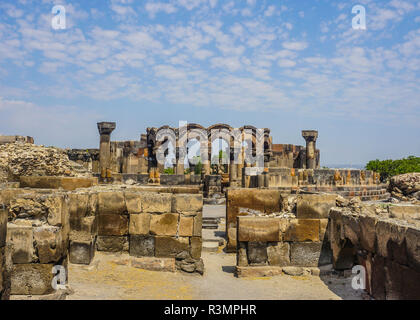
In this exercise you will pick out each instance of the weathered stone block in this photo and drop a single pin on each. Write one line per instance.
(49, 244)
(196, 246)
(367, 233)
(387, 231)
(170, 246)
(112, 225)
(112, 243)
(78, 209)
(139, 224)
(142, 246)
(323, 229)
(301, 230)
(57, 216)
(186, 225)
(82, 250)
(21, 238)
(156, 202)
(164, 224)
(3, 226)
(89, 225)
(314, 206)
(278, 254)
(309, 254)
(257, 253)
(187, 203)
(258, 229)
(258, 271)
(241, 255)
(231, 245)
(133, 202)
(405, 212)
(32, 279)
(111, 202)
(154, 264)
(198, 225)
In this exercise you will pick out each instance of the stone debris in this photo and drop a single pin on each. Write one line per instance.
(25, 159)
(405, 187)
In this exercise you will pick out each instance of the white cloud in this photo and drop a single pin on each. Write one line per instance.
(298, 46)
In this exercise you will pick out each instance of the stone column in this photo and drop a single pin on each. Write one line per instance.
(105, 130)
(310, 137)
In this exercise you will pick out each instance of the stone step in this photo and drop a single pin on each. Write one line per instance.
(210, 245)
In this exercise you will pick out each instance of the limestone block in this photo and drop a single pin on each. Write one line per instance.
(352, 229)
(301, 230)
(404, 212)
(112, 225)
(241, 255)
(78, 209)
(112, 243)
(258, 271)
(139, 224)
(21, 238)
(154, 264)
(323, 229)
(3, 226)
(164, 224)
(111, 202)
(231, 235)
(413, 248)
(388, 232)
(82, 249)
(49, 244)
(187, 203)
(142, 246)
(198, 225)
(186, 225)
(170, 246)
(196, 246)
(278, 254)
(156, 202)
(133, 202)
(315, 206)
(93, 203)
(309, 254)
(56, 214)
(89, 225)
(257, 253)
(258, 229)
(32, 279)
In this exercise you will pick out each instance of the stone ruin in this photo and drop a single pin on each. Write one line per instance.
(62, 206)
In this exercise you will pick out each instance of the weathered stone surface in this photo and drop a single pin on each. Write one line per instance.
(4, 276)
(241, 255)
(309, 254)
(231, 235)
(82, 250)
(142, 246)
(112, 243)
(139, 224)
(196, 246)
(405, 212)
(111, 202)
(3, 226)
(34, 278)
(49, 244)
(257, 253)
(57, 216)
(187, 203)
(315, 206)
(66, 183)
(154, 264)
(387, 231)
(133, 202)
(21, 238)
(186, 225)
(164, 224)
(301, 230)
(156, 202)
(294, 271)
(323, 229)
(170, 246)
(112, 225)
(278, 254)
(78, 209)
(89, 225)
(258, 271)
(258, 229)
(198, 225)
(367, 233)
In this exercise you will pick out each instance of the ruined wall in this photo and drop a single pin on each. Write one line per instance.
(4, 274)
(387, 247)
(13, 139)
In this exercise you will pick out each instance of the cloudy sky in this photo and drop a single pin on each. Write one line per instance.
(284, 65)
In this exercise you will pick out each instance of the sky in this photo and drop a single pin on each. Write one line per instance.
(278, 64)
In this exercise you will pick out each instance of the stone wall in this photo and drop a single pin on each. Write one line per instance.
(4, 274)
(387, 247)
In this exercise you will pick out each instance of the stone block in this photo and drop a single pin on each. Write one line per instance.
(78, 209)
(386, 232)
(187, 203)
(241, 255)
(258, 271)
(111, 202)
(31, 279)
(258, 229)
(413, 248)
(89, 225)
(309, 254)
(196, 247)
(154, 264)
(112, 225)
(314, 206)
(156, 202)
(133, 202)
(3, 226)
(139, 224)
(404, 212)
(164, 224)
(49, 244)
(56, 214)
(257, 253)
(82, 249)
(186, 225)
(278, 254)
(231, 235)
(301, 230)
(170, 246)
(112, 243)
(21, 238)
(323, 229)
(142, 246)
(198, 225)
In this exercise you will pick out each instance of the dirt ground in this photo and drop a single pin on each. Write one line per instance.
(109, 278)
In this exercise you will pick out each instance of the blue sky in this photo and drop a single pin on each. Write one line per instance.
(283, 65)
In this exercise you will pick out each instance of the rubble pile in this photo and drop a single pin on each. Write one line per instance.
(24, 159)
(405, 187)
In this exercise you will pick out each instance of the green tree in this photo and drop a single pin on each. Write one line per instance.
(389, 168)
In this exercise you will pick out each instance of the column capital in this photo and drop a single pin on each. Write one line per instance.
(106, 127)
(310, 135)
